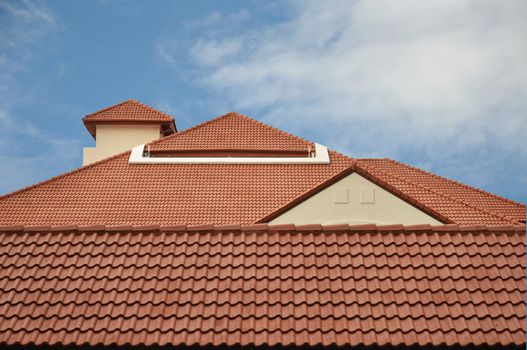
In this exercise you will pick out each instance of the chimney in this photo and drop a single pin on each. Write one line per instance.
(123, 126)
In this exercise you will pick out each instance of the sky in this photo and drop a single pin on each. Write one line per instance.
(441, 85)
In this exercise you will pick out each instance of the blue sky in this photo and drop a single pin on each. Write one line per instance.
(439, 85)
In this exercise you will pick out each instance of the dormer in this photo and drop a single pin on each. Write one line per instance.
(123, 126)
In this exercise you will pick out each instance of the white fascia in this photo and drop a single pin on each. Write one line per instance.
(321, 157)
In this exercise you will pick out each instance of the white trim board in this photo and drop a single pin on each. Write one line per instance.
(321, 157)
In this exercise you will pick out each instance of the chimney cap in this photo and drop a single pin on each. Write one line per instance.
(129, 112)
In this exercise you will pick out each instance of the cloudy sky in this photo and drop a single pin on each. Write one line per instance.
(441, 85)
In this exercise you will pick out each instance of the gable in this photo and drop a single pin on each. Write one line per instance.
(355, 200)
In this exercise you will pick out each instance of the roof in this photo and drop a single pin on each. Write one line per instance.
(457, 202)
(234, 131)
(129, 111)
(115, 192)
(260, 284)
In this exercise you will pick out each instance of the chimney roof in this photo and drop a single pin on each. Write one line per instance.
(129, 112)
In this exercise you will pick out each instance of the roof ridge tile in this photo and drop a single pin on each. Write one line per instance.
(309, 227)
(63, 228)
(390, 227)
(473, 228)
(420, 227)
(119, 228)
(201, 227)
(281, 227)
(131, 100)
(263, 227)
(172, 228)
(255, 227)
(336, 227)
(227, 227)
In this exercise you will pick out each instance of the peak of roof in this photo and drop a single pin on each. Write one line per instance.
(127, 111)
(232, 131)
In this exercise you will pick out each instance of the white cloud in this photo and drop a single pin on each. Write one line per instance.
(211, 52)
(384, 78)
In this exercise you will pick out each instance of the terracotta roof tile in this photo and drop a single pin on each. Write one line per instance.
(232, 285)
(127, 111)
(456, 202)
(233, 131)
(115, 192)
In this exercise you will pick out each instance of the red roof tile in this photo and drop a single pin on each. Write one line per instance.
(127, 111)
(115, 192)
(233, 131)
(236, 285)
(457, 202)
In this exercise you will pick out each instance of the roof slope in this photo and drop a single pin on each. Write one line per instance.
(128, 111)
(263, 285)
(115, 192)
(459, 203)
(234, 131)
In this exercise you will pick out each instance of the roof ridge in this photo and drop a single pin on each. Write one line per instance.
(226, 115)
(197, 126)
(124, 102)
(458, 183)
(107, 108)
(352, 228)
(502, 217)
(151, 108)
(270, 127)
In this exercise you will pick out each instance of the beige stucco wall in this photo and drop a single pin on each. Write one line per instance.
(354, 200)
(114, 139)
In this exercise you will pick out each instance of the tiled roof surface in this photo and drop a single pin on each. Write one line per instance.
(115, 192)
(234, 131)
(263, 285)
(128, 110)
(459, 203)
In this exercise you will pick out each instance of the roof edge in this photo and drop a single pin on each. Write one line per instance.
(459, 183)
(416, 203)
(508, 229)
(67, 173)
(122, 103)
